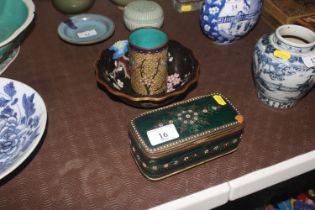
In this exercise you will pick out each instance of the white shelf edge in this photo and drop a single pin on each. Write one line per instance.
(205, 199)
(266, 177)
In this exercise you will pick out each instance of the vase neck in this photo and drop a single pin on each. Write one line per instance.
(294, 39)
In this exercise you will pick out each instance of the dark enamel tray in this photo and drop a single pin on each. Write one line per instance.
(112, 75)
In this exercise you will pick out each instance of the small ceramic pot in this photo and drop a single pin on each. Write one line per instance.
(72, 6)
(226, 21)
(284, 65)
(148, 61)
(143, 13)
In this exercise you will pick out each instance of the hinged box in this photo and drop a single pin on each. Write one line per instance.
(279, 12)
(171, 139)
(308, 22)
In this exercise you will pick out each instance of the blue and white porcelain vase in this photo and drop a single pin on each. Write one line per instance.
(284, 65)
(225, 21)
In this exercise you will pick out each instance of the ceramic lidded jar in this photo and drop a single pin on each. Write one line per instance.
(72, 6)
(284, 65)
(225, 21)
(143, 13)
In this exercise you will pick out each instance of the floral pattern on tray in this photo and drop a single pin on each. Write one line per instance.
(113, 74)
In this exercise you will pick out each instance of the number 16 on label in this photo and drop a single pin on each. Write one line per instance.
(162, 134)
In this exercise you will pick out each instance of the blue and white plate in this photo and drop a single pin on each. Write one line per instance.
(23, 119)
(86, 29)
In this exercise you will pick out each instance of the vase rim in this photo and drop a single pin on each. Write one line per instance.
(296, 31)
(148, 38)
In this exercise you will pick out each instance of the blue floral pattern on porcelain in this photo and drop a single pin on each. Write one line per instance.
(225, 21)
(281, 81)
(22, 123)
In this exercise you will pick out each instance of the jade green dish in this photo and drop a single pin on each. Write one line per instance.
(15, 17)
(86, 28)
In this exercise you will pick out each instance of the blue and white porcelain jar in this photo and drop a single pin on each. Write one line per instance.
(225, 21)
(284, 65)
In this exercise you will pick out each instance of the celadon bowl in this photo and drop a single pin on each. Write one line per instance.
(15, 17)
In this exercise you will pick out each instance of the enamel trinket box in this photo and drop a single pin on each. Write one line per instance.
(171, 139)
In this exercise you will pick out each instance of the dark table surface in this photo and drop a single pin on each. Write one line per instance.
(83, 161)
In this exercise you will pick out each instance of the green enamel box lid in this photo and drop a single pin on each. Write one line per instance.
(188, 130)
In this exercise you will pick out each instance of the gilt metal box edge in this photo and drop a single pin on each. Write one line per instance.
(200, 129)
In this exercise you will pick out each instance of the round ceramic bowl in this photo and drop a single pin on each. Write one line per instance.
(22, 123)
(72, 6)
(13, 26)
(112, 75)
(143, 13)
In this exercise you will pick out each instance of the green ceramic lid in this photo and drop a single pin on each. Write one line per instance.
(143, 11)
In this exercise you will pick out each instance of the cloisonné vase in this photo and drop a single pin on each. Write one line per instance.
(284, 65)
(148, 49)
(225, 21)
